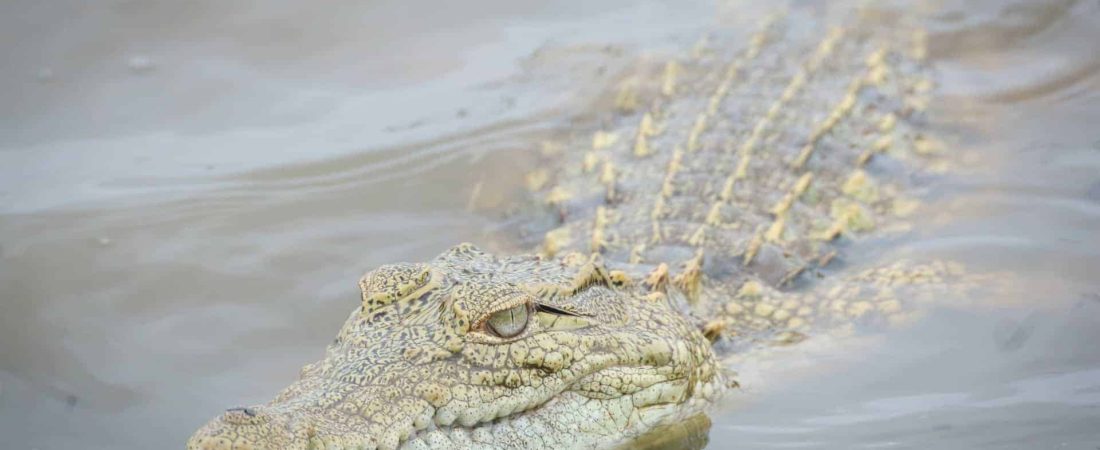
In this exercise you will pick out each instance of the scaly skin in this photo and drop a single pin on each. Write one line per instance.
(691, 216)
(416, 366)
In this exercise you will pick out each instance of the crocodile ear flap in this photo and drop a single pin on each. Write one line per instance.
(390, 283)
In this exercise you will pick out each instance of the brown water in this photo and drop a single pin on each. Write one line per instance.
(188, 193)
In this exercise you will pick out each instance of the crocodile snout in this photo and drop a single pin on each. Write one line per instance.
(252, 428)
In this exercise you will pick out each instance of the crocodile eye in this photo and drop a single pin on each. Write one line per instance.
(510, 322)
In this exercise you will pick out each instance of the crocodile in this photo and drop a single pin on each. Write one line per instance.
(699, 219)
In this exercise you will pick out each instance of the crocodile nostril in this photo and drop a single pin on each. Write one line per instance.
(242, 415)
(242, 409)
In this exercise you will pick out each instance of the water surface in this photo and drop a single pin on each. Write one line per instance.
(189, 192)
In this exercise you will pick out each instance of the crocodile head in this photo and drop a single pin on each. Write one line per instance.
(474, 350)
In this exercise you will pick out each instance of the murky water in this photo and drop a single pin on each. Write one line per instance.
(188, 193)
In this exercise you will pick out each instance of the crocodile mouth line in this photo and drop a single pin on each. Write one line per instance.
(688, 398)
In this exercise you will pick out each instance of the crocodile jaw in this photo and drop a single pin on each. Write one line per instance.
(585, 414)
(573, 420)
(570, 419)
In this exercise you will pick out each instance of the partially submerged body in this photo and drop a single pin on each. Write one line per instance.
(693, 226)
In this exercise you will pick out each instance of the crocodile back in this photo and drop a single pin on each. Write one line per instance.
(748, 162)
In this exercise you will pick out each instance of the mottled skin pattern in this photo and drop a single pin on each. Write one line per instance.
(415, 365)
(693, 222)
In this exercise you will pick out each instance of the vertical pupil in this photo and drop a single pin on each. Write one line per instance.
(510, 322)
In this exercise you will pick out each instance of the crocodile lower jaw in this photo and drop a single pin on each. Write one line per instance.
(575, 420)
